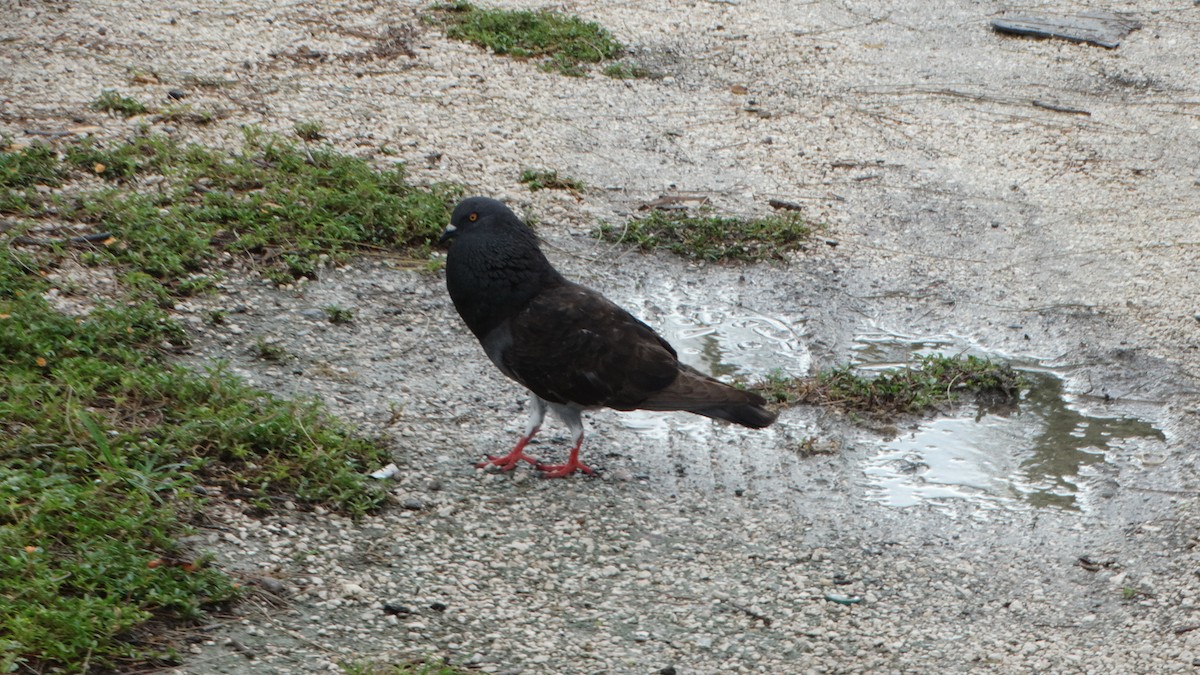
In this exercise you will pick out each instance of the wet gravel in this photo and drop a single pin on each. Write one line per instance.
(731, 552)
(957, 208)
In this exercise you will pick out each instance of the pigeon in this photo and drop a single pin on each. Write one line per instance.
(571, 347)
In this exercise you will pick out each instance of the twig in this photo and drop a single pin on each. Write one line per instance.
(779, 204)
(752, 614)
(1060, 108)
(51, 134)
(25, 240)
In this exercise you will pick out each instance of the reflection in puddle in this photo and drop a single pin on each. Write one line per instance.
(727, 340)
(1034, 452)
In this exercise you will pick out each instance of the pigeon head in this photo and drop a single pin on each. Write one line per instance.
(478, 214)
(494, 266)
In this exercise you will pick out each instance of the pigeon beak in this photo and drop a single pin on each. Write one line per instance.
(448, 234)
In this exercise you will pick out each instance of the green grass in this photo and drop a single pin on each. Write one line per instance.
(101, 444)
(339, 315)
(184, 113)
(107, 449)
(563, 43)
(626, 70)
(927, 384)
(111, 100)
(713, 238)
(543, 179)
(309, 131)
(273, 203)
(33, 165)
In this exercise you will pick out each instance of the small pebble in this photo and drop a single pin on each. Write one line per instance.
(394, 608)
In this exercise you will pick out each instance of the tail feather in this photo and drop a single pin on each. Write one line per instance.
(747, 415)
(695, 392)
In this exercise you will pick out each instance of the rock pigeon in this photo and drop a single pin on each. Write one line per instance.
(570, 346)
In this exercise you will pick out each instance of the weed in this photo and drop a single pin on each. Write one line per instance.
(713, 238)
(930, 382)
(626, 70)
(415, 668)
(1129, 593)
(269, 351)
(542, 179)
(339, 315)
(309, 131)
(564, 43)
(435, 264)
(36, 164)
(111, 100)
(184, 113)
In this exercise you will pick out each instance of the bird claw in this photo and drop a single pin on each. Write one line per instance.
(506, 462)
(564, 470)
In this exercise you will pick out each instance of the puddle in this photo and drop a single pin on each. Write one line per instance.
(1040, 453)
(731, 341)
(718, 336)
(726, 341)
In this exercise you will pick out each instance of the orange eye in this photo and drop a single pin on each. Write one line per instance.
(473, 217)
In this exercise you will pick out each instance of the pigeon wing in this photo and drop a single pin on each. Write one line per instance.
(572, 345)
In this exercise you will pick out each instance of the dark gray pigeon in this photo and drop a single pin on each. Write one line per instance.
(570, 346)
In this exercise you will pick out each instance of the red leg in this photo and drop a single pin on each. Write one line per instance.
(563, 470)
(509, 462)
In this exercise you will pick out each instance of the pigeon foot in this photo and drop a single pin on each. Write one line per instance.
(506, 462)
(509, 462)
(571, 466)
(564, 470)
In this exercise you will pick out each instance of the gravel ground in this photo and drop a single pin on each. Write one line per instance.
(957, 208)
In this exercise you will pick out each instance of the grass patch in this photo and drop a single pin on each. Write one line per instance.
(107, 449)
(543, 179)
(563, 43)
(274, 203)
(103, 445)
(111, 100)
(708, 237)
(929, 383)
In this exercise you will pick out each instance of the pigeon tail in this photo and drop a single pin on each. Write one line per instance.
(747, 415)
(695, 392)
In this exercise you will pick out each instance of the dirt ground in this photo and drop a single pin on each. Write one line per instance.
(1032, 199)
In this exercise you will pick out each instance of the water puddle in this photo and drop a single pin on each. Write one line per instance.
(1039, 453)
(726, 340)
